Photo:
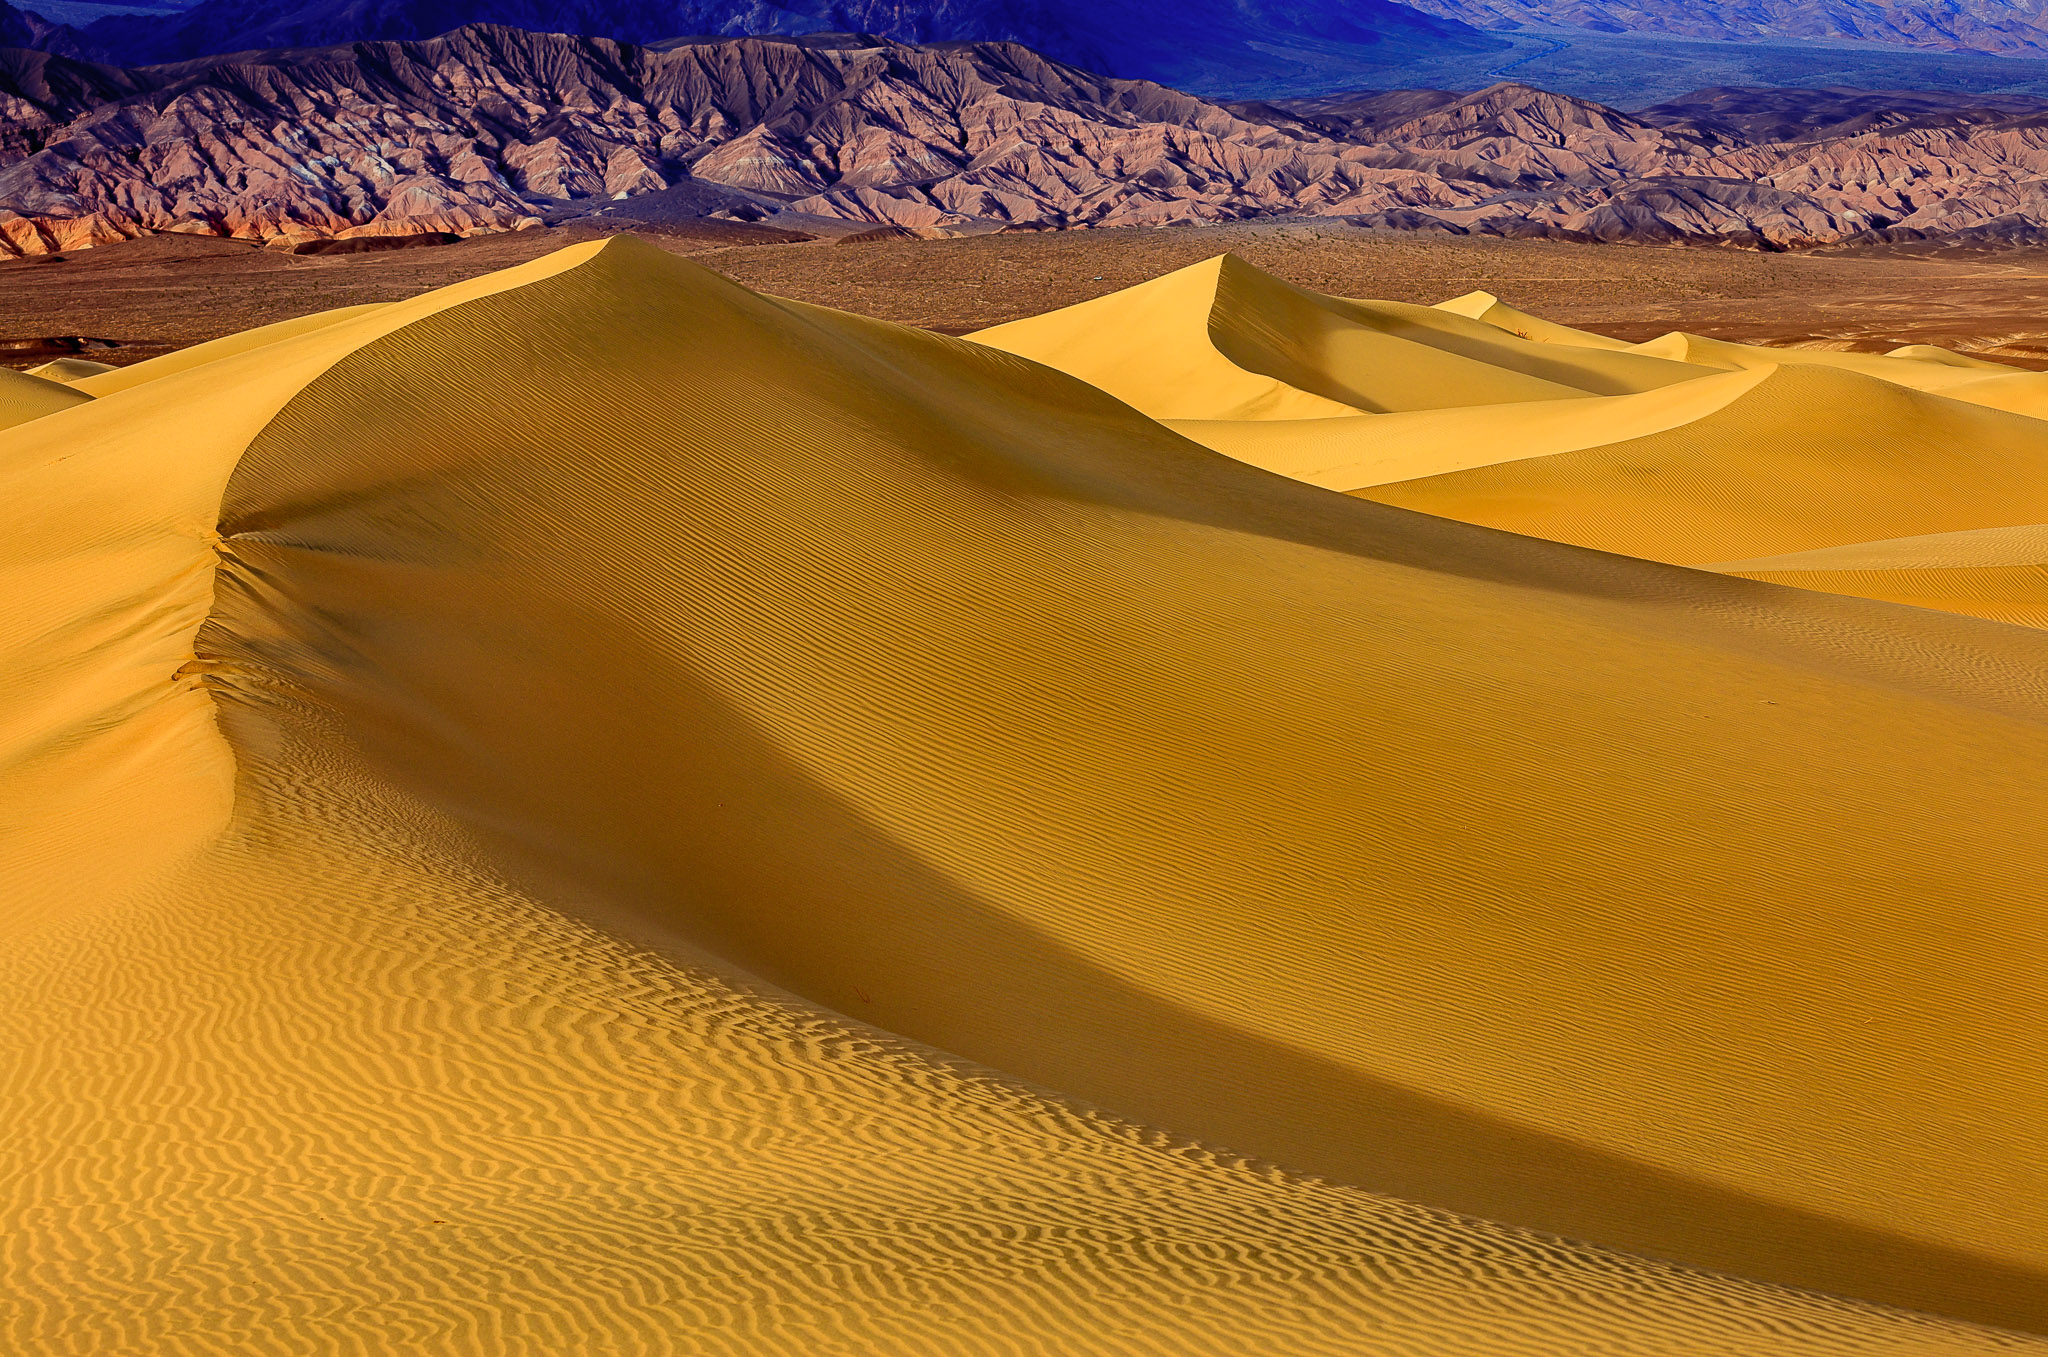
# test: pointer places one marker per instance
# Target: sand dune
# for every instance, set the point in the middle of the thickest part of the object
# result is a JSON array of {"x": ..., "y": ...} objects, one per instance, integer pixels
[
  {"x": 1222, "y": 340},
  {"x": 25, "y": 396},
  {"x": 1809, "y": 457},
  {"x": 69, "y": 369},
  {"x": 1495, "y": 312},
  {"x": 595, "y": 811},
  {"x": 1903, "y": 370},
  {"x": 1999, "y": 573},
  {"x": 1361, "y": 451},
  {"x": 1743, "y": 453}
]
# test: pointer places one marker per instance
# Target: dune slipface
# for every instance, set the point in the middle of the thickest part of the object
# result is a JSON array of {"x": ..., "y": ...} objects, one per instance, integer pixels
[{"x": 593, "y": 811}]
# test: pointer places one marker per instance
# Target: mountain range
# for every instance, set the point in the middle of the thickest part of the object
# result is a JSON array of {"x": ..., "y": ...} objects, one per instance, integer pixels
[
  {"x": 1201, "y": 44},
  {"x": 2006, "y": 27},
  {"x": 490, "y": 129},
  {"x": 1298, "y": 43}
]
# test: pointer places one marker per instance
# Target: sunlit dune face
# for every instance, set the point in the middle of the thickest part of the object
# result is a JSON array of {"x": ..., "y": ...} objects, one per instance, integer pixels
[{"x": 595, "y": 811}]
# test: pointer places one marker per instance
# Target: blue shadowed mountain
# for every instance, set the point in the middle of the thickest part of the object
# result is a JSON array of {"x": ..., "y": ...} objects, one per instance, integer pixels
[
  {"x": 1998, "y": 27},
  {"x": 1204, "y": 44}
]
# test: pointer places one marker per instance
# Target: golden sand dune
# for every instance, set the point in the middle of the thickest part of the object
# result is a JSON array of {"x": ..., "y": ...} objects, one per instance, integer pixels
[
  {"x": 69, "y": 369},
  {"x": 593, "y": 811},
  {"x": 1999, "y": 573},
  {"x": 1809, "y": 457},
  {"x": 24, "y": 396},
  {"x": 1917, "y": 373},
  {"x": 2023, "y": 393},
  {"x": 1743, "y": 452},
  {"x": 121, "y": 379},
  {"x": 1221, "y": 340},
  {"x": 1495, "y": 312},
  {"x": 1359, "y": 451}
]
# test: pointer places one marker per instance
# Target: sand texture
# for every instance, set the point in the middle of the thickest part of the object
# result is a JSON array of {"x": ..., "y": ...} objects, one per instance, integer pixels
[{"x": 594, "y": 811}]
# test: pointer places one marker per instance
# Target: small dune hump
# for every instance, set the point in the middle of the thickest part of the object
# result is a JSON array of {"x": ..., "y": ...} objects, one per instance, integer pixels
[
  {"x": 69, "y": 369},
  {"x": 25, "y": 396},
  {"x": 595, "y": 811}
]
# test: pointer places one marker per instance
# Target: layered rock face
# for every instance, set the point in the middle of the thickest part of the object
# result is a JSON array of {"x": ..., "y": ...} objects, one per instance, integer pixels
[
  {"x": 489, "y": 129},
  {"x": 2009, "y": 27}
]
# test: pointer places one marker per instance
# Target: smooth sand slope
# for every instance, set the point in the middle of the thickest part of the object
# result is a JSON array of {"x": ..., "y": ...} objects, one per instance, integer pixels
[
  {"x": 1358, "y": 451},
  {"x": 24, "y": 396},
  {"x": 1222, "y": 340},
  {"x": 1750, "y": 454},
  {"x": 593, "y": 811},
  {"x": 1999, "y": 573},
  {"x": 1809, "y": 457},
  {"x": 69, "y": 369}
]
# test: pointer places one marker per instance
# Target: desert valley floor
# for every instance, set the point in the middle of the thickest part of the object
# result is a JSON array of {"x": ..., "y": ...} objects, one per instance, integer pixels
[
  {"x": 162, "y": 292},
  {"x": 1288, "y": 792}
]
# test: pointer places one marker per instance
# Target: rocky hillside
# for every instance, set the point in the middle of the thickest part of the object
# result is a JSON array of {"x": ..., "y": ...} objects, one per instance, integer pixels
[
  {"x": 490, "y": 129},
  {"x": 2006, "y": 27}
]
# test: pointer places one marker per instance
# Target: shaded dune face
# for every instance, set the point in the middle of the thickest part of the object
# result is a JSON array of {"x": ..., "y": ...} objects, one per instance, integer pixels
[{"x": 759, "y": 830}]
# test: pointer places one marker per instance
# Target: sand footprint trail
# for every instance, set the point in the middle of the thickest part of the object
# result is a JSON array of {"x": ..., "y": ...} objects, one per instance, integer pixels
[{"x": 578, "y": 747}]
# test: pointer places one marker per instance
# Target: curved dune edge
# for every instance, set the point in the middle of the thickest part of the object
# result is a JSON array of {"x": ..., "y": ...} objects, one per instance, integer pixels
[
  {"x": 1898, "y": 367},
  {"x": 1486, "y": 307},
  {"x": 69, "y": 369},
  {"x": 2022, "y": 393},
  {"x": 103, "y": 597},
  {"x": 25, "y": 396},
  {"x": 229, "y": 346},
  {"x": 504, "y": 626},
  {"x": 1184, "y": 376},
  {"x": 1221, "y": 340},
  {"x": 1995, "y": 573},
  {"x": 1772, "y": 472},
  {"x": 1361, "y": 451}
]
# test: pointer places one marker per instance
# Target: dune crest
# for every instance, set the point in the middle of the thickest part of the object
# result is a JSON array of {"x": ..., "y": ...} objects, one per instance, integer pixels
[{"x": 703, "y": 824}]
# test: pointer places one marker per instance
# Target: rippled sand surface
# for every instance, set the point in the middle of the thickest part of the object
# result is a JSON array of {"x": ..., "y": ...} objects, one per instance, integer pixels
[{"x": 593, "y": 811}]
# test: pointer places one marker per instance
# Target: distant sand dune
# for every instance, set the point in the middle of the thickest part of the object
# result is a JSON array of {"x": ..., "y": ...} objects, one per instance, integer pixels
[
  {"x": 69, "y": 369},
  {"x": 1999, "y": 573},
  {"x": 1721, "y": 451},
  {"x": 594, "y": 811},
  {"x": 1361, "y": 451},
  {"x": 1221, "y": 340},
  {"x": 1810, "y": 457},
  {"x": 24, "y": 396}
]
